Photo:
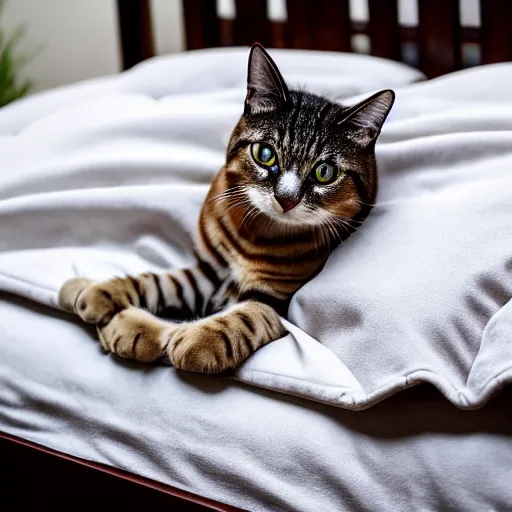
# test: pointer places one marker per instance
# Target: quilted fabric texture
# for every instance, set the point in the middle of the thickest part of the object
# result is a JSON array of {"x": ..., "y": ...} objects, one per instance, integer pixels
[{"x": 108, "y": 177}]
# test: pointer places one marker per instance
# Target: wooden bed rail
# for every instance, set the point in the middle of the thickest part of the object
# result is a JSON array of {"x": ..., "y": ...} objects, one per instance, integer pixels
[{"x": 438, "y": 45}]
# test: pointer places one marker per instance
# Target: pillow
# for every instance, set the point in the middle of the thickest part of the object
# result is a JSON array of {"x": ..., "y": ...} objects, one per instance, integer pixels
[
  {"x": 421, "y": 292},
  {"x": 221, "y": 71}
]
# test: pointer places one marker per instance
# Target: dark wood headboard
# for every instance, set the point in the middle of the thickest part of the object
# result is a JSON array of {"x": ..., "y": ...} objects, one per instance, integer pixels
[{"x": 438, "y": 45}]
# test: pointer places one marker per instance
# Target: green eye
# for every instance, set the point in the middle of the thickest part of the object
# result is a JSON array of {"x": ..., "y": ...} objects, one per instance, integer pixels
[
  {"x": 263, "y": 154},
  {"x": 324, "y": 173}
]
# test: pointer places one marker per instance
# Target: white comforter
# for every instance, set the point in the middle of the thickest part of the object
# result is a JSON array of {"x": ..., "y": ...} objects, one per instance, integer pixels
[{"x": 108, "y": 177}]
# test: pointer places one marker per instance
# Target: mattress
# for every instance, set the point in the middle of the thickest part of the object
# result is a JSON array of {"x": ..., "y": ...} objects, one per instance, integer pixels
[{"x": 108, "y": 177}]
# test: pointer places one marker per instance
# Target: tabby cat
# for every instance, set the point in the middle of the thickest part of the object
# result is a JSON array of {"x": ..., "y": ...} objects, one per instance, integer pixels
[{"x": 300, "y": 175}]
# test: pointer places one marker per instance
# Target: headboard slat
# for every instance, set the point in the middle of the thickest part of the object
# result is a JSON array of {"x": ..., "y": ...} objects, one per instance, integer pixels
[
  {"x": 439, "y": 36},
  {"x": 251, "y": 23},
  {"x": 135, "y": 31},
  {"x": 331, "y": 25},
  {"x": 326, "y": 25},
  {"x": 496, "y": 35},
  {"x": 383, "y": 29},
  {"x": 278, "y": 34},
  {"x": 299, "y": 23},
  {"x": 319, "y": 24},
  {"x": 201, "y": 24}
]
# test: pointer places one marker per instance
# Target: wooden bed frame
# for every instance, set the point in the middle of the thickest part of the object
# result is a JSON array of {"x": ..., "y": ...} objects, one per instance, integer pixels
[
  {"x": 36, "y": 478},
  {"x": 436, "y": 46}
]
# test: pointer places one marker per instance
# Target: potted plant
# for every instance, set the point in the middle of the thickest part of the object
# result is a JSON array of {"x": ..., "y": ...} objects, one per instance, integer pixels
[{"x": 12, "y": 87}]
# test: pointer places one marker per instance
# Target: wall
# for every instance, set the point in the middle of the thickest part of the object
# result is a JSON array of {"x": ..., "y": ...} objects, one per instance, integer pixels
[
  {"x": 76, "y": 39},
  {"x": 167, "y": 26}
]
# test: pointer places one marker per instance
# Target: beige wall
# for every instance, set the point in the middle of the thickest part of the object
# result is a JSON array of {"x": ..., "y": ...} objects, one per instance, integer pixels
[
  {"x": 167, "y": 26},
  {"x": 77, "y": 39}
]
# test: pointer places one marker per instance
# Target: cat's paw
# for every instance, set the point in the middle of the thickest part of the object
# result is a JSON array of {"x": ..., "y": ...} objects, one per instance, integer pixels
[
  {"x": 94, "y": 303},
  {"x": 223, "y": 342},
  {"x": 69, "y": 292},
  {"x": 203, "y": 348},
  {"x": 135, "y": 334}
]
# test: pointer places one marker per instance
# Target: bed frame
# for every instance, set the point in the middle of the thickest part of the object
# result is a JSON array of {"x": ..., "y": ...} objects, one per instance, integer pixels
[
  {"x": 36, "y": 478},
  {"x": 438, "y": 45}
]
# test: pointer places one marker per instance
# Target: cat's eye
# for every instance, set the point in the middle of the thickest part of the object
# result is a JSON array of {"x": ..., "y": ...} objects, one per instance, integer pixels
[
  {"x": 263, "y": 154},
  {"x": 324, "y": 173}
]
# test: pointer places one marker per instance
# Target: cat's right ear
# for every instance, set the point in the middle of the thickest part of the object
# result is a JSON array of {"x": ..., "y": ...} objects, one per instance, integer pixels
[{"x": 266, "y": 89}]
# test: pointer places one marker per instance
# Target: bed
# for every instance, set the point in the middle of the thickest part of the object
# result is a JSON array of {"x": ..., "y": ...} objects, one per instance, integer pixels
[{"x": 85, "y": 185}]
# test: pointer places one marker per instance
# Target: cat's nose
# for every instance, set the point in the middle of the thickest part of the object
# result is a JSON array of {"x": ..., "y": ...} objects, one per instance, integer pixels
[
  {"x": 287, "y": 203},
  {"x": 287, "y": 190}
]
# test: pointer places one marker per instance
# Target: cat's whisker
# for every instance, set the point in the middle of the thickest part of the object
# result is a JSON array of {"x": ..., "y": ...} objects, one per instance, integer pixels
[
  {"x": 372, "y": 205},
  {"x": 231, "y": 192},
  {"x": 269, "y": 222},
  {"x": 332, "y": 230},
  {"x": 222, "y": 195},
  {"x": 235, "y": 193},
  {"x": 334, "y": 223},
  {"x": 337, "y": 223},
  {"x": 251, "y": 217},
  {"x": 228, "y": 197},
  {"x": 235, "y": 202},
  {"x": 378, "y": 204},
  {"x": 248, "y": 214},
  {"x": 328, "y": 230},
  {"x": 242, "y": 204}
]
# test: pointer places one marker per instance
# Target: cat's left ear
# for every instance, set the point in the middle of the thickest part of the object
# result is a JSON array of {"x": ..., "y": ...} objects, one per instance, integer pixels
[
  {"x": 364, "y": 121},
  {"x": 266, "y": 89}
]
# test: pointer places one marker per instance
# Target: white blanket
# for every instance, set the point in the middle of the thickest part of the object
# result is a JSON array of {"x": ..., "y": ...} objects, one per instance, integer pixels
[
  {"x": 259, "y": 450},
  {"x": 108, "y": 178}
]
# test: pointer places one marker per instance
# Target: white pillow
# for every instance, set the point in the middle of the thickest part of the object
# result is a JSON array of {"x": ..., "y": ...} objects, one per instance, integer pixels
[{"x": 421, "y": 292}]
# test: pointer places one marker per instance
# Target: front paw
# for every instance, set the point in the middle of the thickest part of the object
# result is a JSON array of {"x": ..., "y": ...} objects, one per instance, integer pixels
[
  {"x": 135, "y": 334},
  {"x": 223, "y": 342},
  {"x": 201, "y": 348},
  {"x": 94, "y": 303},
  {"x": 70, "y": 291}
]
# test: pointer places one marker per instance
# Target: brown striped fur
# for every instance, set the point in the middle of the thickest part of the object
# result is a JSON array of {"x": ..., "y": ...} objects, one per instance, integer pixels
[{"x": 264, "y": 231}]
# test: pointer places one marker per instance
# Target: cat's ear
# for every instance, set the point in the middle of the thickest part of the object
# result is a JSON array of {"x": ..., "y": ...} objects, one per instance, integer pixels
[
  {"x": 364, "y": 120},
  {"x": 266, "y": 89}
]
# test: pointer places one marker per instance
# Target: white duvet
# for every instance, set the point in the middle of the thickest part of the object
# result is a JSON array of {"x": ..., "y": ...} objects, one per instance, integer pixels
[{"x": 108, "y": 178}]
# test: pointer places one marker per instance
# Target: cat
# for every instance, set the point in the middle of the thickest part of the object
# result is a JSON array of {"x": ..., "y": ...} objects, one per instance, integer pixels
[{"x": 300, "y": 176}]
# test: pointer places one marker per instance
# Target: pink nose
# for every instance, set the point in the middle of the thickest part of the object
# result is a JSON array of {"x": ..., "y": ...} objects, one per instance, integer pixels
[{"x": 286, "y": 203}]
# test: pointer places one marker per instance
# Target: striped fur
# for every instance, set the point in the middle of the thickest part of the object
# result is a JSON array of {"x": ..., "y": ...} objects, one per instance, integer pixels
[{"x": 264, "y": 231}]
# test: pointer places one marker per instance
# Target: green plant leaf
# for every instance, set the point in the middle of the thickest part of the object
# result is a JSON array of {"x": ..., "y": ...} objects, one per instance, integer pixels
[{"x": 11, "y": 88}]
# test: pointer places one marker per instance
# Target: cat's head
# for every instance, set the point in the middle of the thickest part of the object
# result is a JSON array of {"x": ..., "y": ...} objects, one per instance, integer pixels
[{"x": 300, "y": 159}]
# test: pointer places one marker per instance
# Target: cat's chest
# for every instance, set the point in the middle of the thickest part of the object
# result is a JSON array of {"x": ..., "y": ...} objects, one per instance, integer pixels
[
  {"x": 249, "y": 279},
  {"x": 244, "y": 273},
  {"x": 281, "y": 278}
]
